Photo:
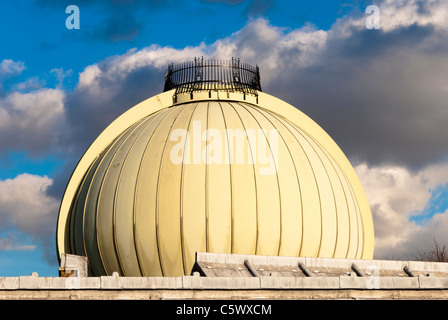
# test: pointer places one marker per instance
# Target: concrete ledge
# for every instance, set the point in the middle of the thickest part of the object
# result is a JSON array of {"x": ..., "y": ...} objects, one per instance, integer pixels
[
  {"x": 373, "y": 282},
  {"x": 225, "y": 294},
  {"x": 9, "y": 283},
  {"x": 227, "y": 283},
  {"x": 433, "y": 282},
  {"x": 245, "y": 288},
  {"x": 222, "y": 283},
  {"x": 299, "y": 283},
  {"x": 235, "y": 276},
  {"x": 403, "y": 283},
  {"x": 50, "y": 283},
  {"x": 236, "y": 272},
  {"x": 35, "y": 282},
  {"x": 151, "y": 282},
  {"x": 429, "y": 267},
  {"x": 110, "y": 282},
  {"x": 75, "y": 283}
]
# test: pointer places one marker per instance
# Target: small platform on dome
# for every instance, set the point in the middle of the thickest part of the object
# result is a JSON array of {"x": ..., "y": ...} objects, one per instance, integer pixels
[{"x": 213, "y": 74}]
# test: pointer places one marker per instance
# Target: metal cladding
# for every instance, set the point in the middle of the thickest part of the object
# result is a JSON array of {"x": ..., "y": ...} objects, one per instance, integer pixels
[{"x": 214, "y": 172}]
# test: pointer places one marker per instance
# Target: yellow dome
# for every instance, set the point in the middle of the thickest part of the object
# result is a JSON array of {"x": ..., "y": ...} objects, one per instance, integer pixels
[{"x": 213, "y": 172}]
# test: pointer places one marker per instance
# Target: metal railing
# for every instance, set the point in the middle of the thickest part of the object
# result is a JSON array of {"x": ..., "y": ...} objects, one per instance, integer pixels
[{"x": 200, "y": 74}]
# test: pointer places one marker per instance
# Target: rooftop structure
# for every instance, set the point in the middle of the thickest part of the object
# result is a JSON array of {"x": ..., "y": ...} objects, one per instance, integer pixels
[{"x": 213, "y": 164}]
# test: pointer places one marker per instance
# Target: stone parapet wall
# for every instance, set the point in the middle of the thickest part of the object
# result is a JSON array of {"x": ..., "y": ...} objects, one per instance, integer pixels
[
  {"x": 222, "y": 276},
  {"x": 35, "y": 282}
]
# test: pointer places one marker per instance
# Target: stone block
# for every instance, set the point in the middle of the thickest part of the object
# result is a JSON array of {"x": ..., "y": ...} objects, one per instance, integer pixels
[
  {"x": 191, "y": 282},
  {"x": 399, "y": 283},
  {"x": 111, "y": 282},
  {"x": 428, "y": 266},
  {"x": 355, "y": 282},
  {"x": 299, "y": 282},
  {"x": 35, "y": 282},
  {"x": 151, "y": 282},
  {"x": 376, "y": 282},
  {"x": 9, "y": 283},
  {"x": 433, "y": 282},
  {"x": 76, "y": 283}
]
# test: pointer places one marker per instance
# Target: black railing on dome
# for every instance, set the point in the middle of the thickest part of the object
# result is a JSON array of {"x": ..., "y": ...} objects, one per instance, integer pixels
[{"x": 200, "y": 74}]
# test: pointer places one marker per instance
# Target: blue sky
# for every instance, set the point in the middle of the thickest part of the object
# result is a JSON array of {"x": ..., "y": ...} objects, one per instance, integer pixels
[
  {"x": 39, "y": 37},
  {"x": 380, "y": 93}
]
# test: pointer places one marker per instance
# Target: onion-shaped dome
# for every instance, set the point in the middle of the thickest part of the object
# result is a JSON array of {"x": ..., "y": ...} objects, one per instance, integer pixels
[{"x": 213, "y": 172}]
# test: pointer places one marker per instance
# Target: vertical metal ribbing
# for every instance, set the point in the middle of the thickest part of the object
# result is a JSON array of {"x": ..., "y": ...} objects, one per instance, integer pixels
[
  {"x": 181, "y": 194},
  {"x": 276, "y": 174},
  {"x": 231, "y": 184},
  {"x": 124, "y": 174},
  {"x": 158, "y": 188},
  {"x": 207, "y": 213},
  {"x": 295, "y": 129},
  {"x": 165, "y": 114},
  {"x": 123, "y": 162},
  {"x": 289, "y": 152},
  {"x": 146, "y": 123},
  {"x": 96, "y": 193},
  {"x": 333, "y": 165},
  {"x": 327, "y": 175},
  {"x": 255, "y": 178}
]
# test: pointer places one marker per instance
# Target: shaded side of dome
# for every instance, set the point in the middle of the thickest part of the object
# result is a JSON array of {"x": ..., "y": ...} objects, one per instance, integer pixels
[{"x": 175, "y": 182}]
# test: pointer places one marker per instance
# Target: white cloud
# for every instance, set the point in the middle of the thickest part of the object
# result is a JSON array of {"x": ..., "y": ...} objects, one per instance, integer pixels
[
  {"x": 25, "y": 207},
  {"x": 10, "y": 242},
  {"x": 31, "y": 121},
  {"x": 33, "y": 83},
  {"x": 114, "y": 70},
  {"x": 60, "y": 76},
  {"x": 435, "y": 228},
  {"x": 403, "y": 13},
  {"x": 397, "y": 14},
  {"x": 276, "y": 49},
  {"x": 10, "y": 68},
  {"x": 395, "y": 194},
  {"x": 436, "y": 174}
]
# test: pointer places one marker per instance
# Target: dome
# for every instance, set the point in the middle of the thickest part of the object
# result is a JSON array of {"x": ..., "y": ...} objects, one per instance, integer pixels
[{"x": 211, "y": 171}]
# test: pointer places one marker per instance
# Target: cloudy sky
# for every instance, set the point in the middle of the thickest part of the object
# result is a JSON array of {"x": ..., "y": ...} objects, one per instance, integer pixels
[{"x": 381, "y": 93}]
